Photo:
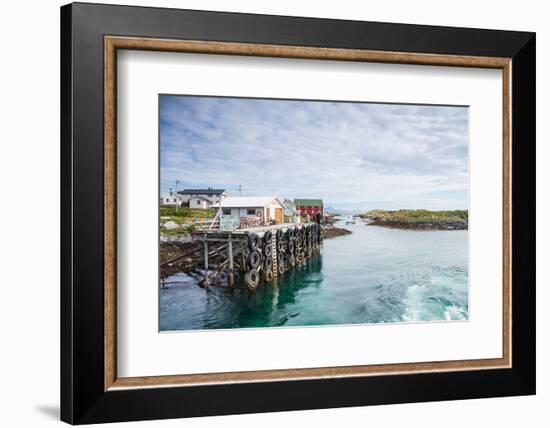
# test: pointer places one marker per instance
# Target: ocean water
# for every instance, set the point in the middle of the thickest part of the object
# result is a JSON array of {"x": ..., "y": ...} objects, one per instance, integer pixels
[{"x": 374, "y": 275}]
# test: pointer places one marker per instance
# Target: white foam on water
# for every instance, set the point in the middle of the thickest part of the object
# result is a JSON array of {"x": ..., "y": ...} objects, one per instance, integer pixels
[{"x": 441, "y": 298}]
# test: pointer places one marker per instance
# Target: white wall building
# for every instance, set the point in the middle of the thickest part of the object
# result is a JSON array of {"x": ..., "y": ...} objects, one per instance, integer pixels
[
  {"x": 171, "y": 198},
  {"x": 265, "y": 208},
  {"x": 199, "y": 202}
]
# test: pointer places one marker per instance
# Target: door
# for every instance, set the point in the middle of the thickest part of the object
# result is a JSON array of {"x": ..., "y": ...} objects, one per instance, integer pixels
[{"x": 278, "y": 215}]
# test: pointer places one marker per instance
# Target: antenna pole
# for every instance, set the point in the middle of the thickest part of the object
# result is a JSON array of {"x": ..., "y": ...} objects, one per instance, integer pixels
[{"x": 177, "y": 195}]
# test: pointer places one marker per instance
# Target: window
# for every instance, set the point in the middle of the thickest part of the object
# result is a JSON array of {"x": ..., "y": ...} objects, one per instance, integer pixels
[
  {"x": 250, "y": 211},
  {"x": 174, "y": 200},
  {"x": 198, "y": 202},
  {"x": 226, "y": 211}
]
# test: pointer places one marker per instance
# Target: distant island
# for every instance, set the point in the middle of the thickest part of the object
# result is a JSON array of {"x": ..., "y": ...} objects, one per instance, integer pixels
[{"x": 418, "y": 219}]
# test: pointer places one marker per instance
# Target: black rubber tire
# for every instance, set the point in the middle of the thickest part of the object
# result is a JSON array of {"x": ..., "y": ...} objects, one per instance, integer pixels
[
  {"x": 290, "y": 234},
  {"x": 268, "y": 264},
  {"x": 280, "y": 257},
  {"x": 268, "y": 250},
  {"x": 253, "y": 241},
  {"x": 254, "y": 259},
  {"x": 267, "y": 237},
  {"x": 279, "y": 245},
  {"x": 279, "y": 234},
  {"x": 251, "y": 279},
  {"x": 290, "y": 246},
  {"x": 292, "y": 261},
  {"x": 281, "y": 268},
  {"x": 268, "y": 275}
]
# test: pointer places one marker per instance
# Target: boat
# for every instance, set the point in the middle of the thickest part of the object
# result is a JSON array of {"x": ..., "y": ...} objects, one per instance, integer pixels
[{"x": 350, "y": 220}]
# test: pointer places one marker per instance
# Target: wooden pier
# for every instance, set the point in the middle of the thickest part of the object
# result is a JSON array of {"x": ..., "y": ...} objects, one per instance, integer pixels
[{"x": 258, "y": 254}]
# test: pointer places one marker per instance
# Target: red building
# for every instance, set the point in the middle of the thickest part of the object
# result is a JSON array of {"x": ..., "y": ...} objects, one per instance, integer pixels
[{"x": 309, "y": 207}]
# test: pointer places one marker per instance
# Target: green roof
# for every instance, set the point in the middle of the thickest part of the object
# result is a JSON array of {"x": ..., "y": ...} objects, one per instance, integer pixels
[{"x": 308, "y": 202}]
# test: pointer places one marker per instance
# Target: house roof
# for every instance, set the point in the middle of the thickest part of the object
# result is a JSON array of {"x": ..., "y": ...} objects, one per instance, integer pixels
[
  {"x": 208, "y": 191},
  {"x": 248, "y": 201},
  {"x": 308, "y": 202},
  {"x": 171, "y": 193}
]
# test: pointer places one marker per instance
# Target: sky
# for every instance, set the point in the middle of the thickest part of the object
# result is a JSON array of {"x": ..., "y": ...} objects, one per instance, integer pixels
[{"x": 354, "y": 156}]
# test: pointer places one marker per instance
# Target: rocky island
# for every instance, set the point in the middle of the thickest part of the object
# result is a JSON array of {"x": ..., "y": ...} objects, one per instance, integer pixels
[
  {"x": 333, "y": 232},
  {"x": 418, "y": 219}
]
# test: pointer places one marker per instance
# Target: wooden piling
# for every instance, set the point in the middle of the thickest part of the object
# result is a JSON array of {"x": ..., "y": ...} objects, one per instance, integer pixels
[
  {"x": 205, "y": 262},
  {"x": 230, "y": 254}
]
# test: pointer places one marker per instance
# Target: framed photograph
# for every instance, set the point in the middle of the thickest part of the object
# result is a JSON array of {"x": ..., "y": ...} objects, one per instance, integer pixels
[{"x": 266, "y": 213}]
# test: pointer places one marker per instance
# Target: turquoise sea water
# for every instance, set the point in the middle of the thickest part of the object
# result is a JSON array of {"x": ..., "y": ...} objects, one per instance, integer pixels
[{"x": 374, "y": 275}]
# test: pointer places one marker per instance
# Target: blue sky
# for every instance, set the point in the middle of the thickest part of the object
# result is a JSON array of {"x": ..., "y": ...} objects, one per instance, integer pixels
[{"x": 355, "y": 156}]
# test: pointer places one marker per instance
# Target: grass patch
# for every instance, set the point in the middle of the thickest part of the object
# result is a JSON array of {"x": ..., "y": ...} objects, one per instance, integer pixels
[
  {"x": 418, "y": 216},
  {"x": 184, "y": 213},
  {"x": 180, "y": 231}
]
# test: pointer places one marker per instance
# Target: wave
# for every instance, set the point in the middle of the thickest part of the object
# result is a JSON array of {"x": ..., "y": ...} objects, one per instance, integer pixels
[{"x": 443, "y": 297}]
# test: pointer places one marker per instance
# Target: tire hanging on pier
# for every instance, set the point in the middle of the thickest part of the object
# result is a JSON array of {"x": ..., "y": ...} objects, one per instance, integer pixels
[
  {"x": 268, "y": 250},
  {"x": 267, "y": 237},
  {"x": 253, "y": 241},
  {"x": 290, "y": 246},
  {"x": 281, "y": 268},
  {"x": 251, "y": 279},
  {"x": 254, "y": 259},
  {"x": 279, "y": 234},
  {"x": 292, "y": 261},
  {"x": 290, "y": 233},
  {"x": 268, "y": 275},
  {"x": 268, "y": 264}
]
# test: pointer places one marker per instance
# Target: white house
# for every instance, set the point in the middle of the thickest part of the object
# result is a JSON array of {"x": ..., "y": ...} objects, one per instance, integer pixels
[
  {"x": 265, "y": 208},
  {"x": 171, "y": 198},
  {"x": 212, "y": 195},
  {"x": 199, "y": 202}
]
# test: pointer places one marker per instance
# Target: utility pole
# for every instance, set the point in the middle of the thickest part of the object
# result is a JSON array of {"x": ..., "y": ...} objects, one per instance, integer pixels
[
  {"x": 240, "y": 190},
  {"x": 177, "y": 195}
]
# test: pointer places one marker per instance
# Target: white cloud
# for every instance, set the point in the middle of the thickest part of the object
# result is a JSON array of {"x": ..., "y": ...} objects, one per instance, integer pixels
[{"x": 346, "y": 153}]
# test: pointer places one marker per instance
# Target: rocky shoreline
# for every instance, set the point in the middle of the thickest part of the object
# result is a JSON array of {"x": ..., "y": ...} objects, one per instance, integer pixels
[
  {"x": 333, "y": 232},
  {"x": 175, "y": 248},
  {"x": 418, "y": 219}
]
